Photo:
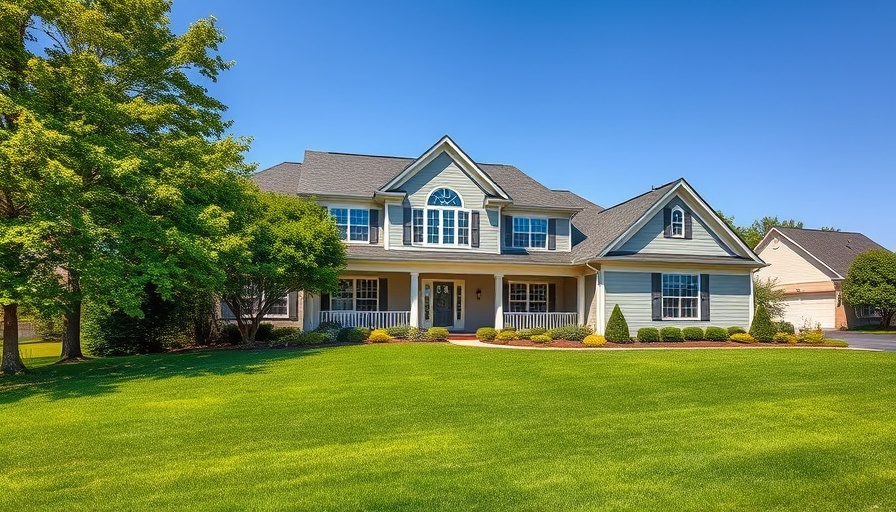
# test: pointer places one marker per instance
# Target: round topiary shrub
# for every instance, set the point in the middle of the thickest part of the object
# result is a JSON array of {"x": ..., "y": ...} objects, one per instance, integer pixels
[
  {"x": 525, "y": 334},
  {"x": 569, "y": 332},
  {"x": 399, "y": 331},
  {"x": 736, "y": 330},
  {"x": 540, "y": 338},
  {"x": 594, "y": 340},
  {"x": 437, "y": 334},
  {"x": 762, "y": 328},
  {"x": 671, "y": 334},
  {"x": 617, "y": 327},
  {"x": 416, "y": 334},
  {"x": 742, "y": 337},
  {"x": 648, "y": 334},
  {"x": 692, "y": 334},
  {"x": 786, "y": 327},
  {"x": 312, "y": 338},
  {"x": 379, "y": 336},
  {"x": 507, "y": 335},
  {"x": 353, "y": 335},
  {"x": 486, "y": 334},
  {"x": 716, "y": 334}
]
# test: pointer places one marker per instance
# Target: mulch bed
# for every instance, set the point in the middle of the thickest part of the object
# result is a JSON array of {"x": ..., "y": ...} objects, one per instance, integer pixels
[{"x": 678, "y": 344}]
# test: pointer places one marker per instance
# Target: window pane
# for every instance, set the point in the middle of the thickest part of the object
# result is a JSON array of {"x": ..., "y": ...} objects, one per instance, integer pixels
[
  {"x": 463, "y": 228},
  {"x": 280, "y": 308},
  {"x": 677, "y": 223},
  {"x": 444, "y": 197},
  {"x": 518, "y": 291},
  {"x": 418, "y": 226},
  {"x": 432, "y": 226},
  {"x": 343, "y": 298},
  {"x": 447, "y": 227},
  {"x": 359, "y": 229},
  {"x": 366, "y": 294},
  {"x": 680, "y": 292},
  {"x": 341, "y": 217}
]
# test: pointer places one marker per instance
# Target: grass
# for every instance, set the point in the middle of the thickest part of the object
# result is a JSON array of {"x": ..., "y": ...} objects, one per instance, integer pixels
[
  {"x": 441, "y": 427},
  {"x": 37, "y": 353}
]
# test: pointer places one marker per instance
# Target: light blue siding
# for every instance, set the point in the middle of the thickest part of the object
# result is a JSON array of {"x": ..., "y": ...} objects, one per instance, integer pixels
[
  {"x": 729, "y": 300},
  {"x": 650, "y": 239}
]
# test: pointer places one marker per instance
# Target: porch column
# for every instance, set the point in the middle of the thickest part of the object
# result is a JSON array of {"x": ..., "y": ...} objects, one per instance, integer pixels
[
  {"x": 580, "y": 299},
  {"x": 499, "y": 301},
  {"x": 415, "y": 306}
]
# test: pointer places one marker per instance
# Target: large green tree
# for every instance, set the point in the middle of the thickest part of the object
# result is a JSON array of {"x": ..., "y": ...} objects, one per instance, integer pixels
[
  {"x": 871, "y": 282},
  {"x": 142, "y": 181},
  {"x": 767, "y": 295},
  {"x": 755, "y": 232},
  {"x": 293, "y": 245}
]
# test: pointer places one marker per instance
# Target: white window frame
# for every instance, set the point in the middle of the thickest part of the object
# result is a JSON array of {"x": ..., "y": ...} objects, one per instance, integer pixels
[
  {"x": 680, "y": 223},
  {"x": 349, "y": 225},
  {"x": 440, "y": 227},
  {"x": 529, "y": 232},
  {"x": 697, "y": 308},
  {"x": 256, "y": 305},
  {"x": 528, "y": 300},
  {"x": 354, "y": 289},
  {"x": 867, "y": 312}
]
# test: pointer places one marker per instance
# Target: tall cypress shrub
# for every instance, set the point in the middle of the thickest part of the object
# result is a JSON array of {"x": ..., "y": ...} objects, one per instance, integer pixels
[
  {"x": 762, "y": 327},
  {"x": 617, "y": 327}
]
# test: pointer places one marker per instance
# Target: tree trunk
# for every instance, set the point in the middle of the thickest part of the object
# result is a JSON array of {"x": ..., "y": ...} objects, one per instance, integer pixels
[
  {"x": 71, "y": 332},
  {"x": 886, "y": 317},
  {"x": 12, "y": 360}
]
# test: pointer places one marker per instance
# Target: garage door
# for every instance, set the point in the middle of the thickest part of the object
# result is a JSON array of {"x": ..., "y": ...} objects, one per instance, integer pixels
[{"x": 810, "y": 308}]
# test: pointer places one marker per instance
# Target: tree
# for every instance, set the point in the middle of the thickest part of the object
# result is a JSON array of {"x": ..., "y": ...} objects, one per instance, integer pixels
[
  {"x": 617, "y": 327},
  {"x": 755, "y": 232},
  {"x": 871, "y": 282},
  {"x": 293, "y": 245},
  {"x": 141, "y": 184},
  {"x": 762, "y": 327},
  {"x": 765, "y": 295}
]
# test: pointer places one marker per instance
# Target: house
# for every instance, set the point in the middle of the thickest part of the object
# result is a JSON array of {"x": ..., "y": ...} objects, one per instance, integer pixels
[
  {"x": 443, "y": 240},
  {"x": 809, "y": 265}
]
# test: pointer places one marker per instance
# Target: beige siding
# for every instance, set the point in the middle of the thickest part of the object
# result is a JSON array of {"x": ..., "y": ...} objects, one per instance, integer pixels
[
  {"x": 789, "y": 265},
  {"x": 650, "y": 239}
]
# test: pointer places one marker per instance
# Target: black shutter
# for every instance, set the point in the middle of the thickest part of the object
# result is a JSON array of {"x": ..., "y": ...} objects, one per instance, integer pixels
[
  {"x": 552, "y": 234},
  {"x": 508, "y": 230},
  {"x": 552, "y": 297},
  {"x": 383, "y": 294},
  {"x": 667, "y": 222},
  {"x": 704, "y": 297},
  {"x": 374, "y": 218},
  {"x": 293, "y": 303},
  {"x": 688, "y": 226},
  {"x": 505, "y": 301},
  {"x": 474, "y": 229},
  {"x": 656, "y": 296},
  {"x": 325, "y": 302},
  {"x": 406, "y": 236}
]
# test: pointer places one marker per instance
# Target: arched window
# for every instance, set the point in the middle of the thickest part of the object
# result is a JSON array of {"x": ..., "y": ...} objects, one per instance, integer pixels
[
  {"x": 444, "y": 197},
  {"x": 677, "y": 222}
]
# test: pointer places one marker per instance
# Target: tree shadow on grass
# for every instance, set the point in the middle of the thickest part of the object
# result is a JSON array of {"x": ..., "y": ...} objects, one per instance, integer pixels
[{"x": 105, "y": 375}]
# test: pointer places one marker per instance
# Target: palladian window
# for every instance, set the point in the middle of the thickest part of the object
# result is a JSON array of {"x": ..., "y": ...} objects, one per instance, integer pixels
[{"x": 447, "y": 223}]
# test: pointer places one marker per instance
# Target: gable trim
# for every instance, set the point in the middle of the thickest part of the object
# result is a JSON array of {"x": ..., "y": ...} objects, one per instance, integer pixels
[{"x": 762, "y": 243}]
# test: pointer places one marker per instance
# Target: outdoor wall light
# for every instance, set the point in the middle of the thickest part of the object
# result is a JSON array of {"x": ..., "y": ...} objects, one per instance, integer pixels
[{"x": 478, "y": 294}]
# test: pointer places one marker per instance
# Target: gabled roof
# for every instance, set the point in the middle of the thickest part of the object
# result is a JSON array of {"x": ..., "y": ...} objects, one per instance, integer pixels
[
  {"x": 281, "y": 178},
  {"x": 834, "y": 249}
]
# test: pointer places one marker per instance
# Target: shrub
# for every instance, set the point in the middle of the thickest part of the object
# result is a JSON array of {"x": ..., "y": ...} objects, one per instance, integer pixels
[
  {"x": 786, "y": 327},
  {"x": 486, "y": 334},
  {"x": 437, "y": 334},
  {"x": 570, "y": 332},
  {"x": 528, "y": 333},
  {"x": 264, "y": 332},
  {"x": 507, "y": 335},
  {"x": 290, "y": 339},
  {"x": 648, "y": 334},
  {"x": 537, "y": 330},
  {"x": 541, "y": 338},
  {"x": 353, "y": 334},
  {"x": 780, "y": 337},
  {"x": 330, "y": 331},
  {"x": 329, "y": 325},
  {"x": 617, "y": 327},
  {"x": 279, "y": 333},
  {"x": 815, "y": 336},
  {"x": 736, "y": 330},
  {"x": 399, "y": 331},
  {"x": 379, "y": 336},
  {"x": 742, "y": 337},
  {"x": 716, "y": 334},
  {"x": 230, "y": 333},
  {"x": 671, "y": 334},
  {"x": 594, "y": 340},
  {"x": 693, "y": 334},
  {"x": 525, "y": 334},
  {"x": 311, "y": 338},
  {"x": 417, "y": 334},
  {"x": 762, "y": 328}
]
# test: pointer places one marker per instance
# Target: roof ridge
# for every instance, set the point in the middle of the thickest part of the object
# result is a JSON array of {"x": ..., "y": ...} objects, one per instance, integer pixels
[
  {"x": 362, "y": 154},
  {"x": 638, "y": 196},
  {"x": 825, "y": 231}
]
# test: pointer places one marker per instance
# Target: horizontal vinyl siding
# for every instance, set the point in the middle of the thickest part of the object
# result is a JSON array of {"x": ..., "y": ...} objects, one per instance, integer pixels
[
  {"x": 562, "y": 235},
  {"x": 788, "y": 266},
  {"x": 650, "y": 239},
  {"x": 729, "y": 300},
  {"x": 396, "y": 226}
]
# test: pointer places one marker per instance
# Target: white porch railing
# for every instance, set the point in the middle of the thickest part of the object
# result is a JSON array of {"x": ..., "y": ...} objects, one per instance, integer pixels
[
  {"x": 545, "y": 320},
  {"x": 370, "y": 319}
]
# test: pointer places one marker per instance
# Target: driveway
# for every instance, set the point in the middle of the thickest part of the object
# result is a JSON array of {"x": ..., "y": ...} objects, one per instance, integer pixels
[{"x": 858, "y": 339}]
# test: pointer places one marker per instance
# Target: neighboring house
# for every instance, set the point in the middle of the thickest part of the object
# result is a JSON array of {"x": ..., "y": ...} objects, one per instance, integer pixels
[
  {"x": 441, "y": 240},
  {"x": 810, "y": 266}
]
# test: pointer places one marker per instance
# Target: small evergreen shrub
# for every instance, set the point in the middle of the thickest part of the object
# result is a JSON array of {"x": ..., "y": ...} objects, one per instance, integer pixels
[
  {"x": 671, "y": 334},
  {"x": 716, "y": 334},
  {"x": 353, "y": 334},
  {"x": 278, "y": 333},
  {"x": 783, "y": 337},
  {"x": 540, "y": 338},
  {"x": 786, "y": 327},
  {"x": 693, "y": 334},
  {"x": 538, "y": 330},
  {"x": 569, "y": 332},
  {"x": 525, "y": 334},
  {"x": 815, "y": 336},
  {"x": 742, "y": 337},
  {"x": 311, "y": 338},
  {"x": 264, "y": 332},
  {"x": 379, "y": 336},
  {"x": 486, "y": 334},
  {"x": 594, "y": 340},
  {"x": 507, "y": 335},
  {"x": 617, "y": 327},
  {"x": 736, "y": 330},
  {"x": 230, "y": 333},
  {"x": 416, "y": 334},
  {"x": 330, "y": 331},
  {"x": 649, "y": 334},
  {"x": 399, "y": 331},
  {"x": 762, "y": 328},
  {"x": 437, "y": 334}
]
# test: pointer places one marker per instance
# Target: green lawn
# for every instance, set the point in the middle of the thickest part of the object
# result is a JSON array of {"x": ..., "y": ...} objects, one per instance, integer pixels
[
  {"x": 435, "y": 426},
  {"x": 37, "y": 353}
]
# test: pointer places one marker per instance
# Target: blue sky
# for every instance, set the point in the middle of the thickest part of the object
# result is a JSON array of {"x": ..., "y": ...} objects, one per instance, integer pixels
[{"x": 766, "y": 108}]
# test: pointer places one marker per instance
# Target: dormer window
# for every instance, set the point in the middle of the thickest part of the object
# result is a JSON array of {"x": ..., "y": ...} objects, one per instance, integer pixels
[
  {"x": 677, "y": 222},
  {"x": 447, "y": 222}
]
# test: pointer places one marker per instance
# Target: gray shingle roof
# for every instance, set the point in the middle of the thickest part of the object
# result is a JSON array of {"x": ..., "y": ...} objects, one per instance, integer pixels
[
  {"x": 282, "y": 178},
  {"x": 835, "y": 249}
]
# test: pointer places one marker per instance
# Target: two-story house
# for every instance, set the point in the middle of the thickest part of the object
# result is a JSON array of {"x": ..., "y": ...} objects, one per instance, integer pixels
[{"x": 441, "y": 240}]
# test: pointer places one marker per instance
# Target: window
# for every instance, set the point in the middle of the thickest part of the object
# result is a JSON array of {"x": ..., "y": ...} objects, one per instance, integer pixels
[
  {"x": 353, "y": 223},
  {"x": 432, "y": 226},
  {"x": 681, "y": 296},
  {"x": 447, "y": 227},
  {"x": 463, "y": 228},
  {"x": 356, "y": 295},
  {"x": 446, "y": 222},
  {"x": 280, "y": 308},
  {"x": 528, "y": 298},
  {"x": 867, "y": 312},
  {"x": 418, "y": 226},
  {"x": 677, "y": 222},
  {"x": 530, "y": 232},
  {"x": 444, "y": 197}
]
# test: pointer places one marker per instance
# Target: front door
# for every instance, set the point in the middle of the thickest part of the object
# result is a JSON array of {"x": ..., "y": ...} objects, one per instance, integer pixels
[{"x": 442, "y": 304}]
